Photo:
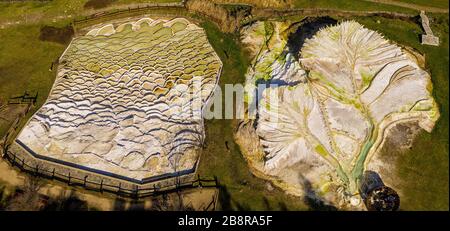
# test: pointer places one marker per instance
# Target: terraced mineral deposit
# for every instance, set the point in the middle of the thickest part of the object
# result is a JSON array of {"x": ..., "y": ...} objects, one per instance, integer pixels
[
  {"x": 128, "y": 99},
  {"x": 333, "y": 106}
]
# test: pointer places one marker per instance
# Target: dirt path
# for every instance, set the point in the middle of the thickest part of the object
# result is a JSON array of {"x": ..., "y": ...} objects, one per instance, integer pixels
[{"x": 411, "y": 6}]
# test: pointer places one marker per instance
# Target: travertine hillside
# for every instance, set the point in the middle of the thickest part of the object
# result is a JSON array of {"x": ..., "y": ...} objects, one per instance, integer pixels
[
  {"x": 332, "y": 108},
  {"x": 128, "y": 99}
]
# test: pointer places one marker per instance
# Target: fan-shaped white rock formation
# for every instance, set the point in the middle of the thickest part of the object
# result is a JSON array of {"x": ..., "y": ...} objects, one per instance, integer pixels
[
  {"x": 128, "y": 100},
  {"x": 351, "y": 85}
]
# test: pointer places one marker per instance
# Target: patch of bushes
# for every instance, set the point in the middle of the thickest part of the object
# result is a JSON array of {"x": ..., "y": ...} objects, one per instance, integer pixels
[
  {"x": 228, "y": 22},
  {"x": 97, "y": 4},
  {"x": 55, "y": 34}
]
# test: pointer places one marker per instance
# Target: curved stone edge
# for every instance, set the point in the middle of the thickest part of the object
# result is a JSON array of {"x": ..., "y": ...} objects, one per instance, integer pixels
[
  {"x": 110, "y": 29},
  {"x": 92, "y": 177}
]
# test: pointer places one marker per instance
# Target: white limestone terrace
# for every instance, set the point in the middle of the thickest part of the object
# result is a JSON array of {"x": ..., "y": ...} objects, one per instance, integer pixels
[
  {"x": 334, "y": 107},
  {"x": 127, "y": 101}
]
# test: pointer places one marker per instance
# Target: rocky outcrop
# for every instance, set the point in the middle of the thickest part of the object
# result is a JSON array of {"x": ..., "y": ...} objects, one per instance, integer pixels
[{"x": 327, "y": 113}]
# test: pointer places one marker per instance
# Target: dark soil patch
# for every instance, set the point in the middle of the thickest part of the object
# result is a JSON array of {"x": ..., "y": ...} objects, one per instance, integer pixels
[
  {"x": 55, "y": 34},
  {"x": 97, "y": 4}
]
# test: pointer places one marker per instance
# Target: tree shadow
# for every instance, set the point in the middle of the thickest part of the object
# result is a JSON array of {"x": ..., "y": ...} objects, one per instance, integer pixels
[
  {"x": 136, "y": 205},
  {"x": 267, "y": 204},
  {"x": 224, "y": 198},
  {"x": 70, "y": 202},
  {"x": 312, "y": 199},
  {"x": 119, "y": 204},
  {"x": 3, "y": 199},
  {"x": 226, "y": 202},
  {"x": 282, "y": 206},
  {"x": 172, "y": 201},
  {"x": 27, "y": 197}
]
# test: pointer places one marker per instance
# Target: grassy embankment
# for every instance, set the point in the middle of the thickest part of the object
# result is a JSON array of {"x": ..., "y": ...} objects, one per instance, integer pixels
[{"x": 358, "y": 5}]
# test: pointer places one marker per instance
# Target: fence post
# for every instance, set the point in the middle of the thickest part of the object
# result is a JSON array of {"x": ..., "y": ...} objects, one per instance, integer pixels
[
  {"x": 118, "y": 192},
  {"x": 214, "y": 202},
  {"x": 37, "y": 169},
  {"x": 216, "y": 181},
  {"x": 7, "y": 148},
  {"x": 69, "y": 179},
  {"x": 84, "y": 183},
  {"x": 199, "y": 181},
  {"x": 136, "y": 191},
  {"x": 3, "y": 144},
  {"x": 23, "y": 163},
  {"x": 101, "y": 186},
  {"x": 53, "y": 174}
]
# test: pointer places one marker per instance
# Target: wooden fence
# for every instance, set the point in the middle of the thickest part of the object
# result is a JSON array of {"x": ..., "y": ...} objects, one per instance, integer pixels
[
  {"x": 175, "y": 9},
  {"x": 266, "y": 13},
  {"x": 100, "y": 186},
  {"x": 25, "y": 162},
  {"x": 26, "y": 98},
  {"x": 12, "y": 131},
  {"x": 162, "y": 9}
]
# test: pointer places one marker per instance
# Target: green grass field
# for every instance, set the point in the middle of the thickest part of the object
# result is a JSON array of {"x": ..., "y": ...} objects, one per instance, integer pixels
[
  {"x": 57, "y": 10},
  {"x": 359, "y": 5},
  {"x": 433, "y": 3}
]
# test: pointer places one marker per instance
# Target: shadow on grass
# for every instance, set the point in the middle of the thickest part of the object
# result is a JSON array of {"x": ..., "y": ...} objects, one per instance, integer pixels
[
  {"x": 227, "y": 203},
  {"x": 98, "y": 4},
  {"x": 61, "y": 35},
  {"x": 66, "y": 203},
  {"x": 3, "y": 201},
  {"x": 312, "y": 199}
]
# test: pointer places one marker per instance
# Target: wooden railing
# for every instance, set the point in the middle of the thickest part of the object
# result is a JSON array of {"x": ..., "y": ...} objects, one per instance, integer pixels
[{"x": 99, "y": 185}]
